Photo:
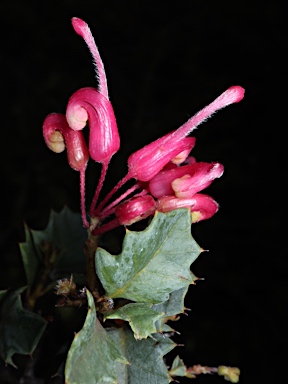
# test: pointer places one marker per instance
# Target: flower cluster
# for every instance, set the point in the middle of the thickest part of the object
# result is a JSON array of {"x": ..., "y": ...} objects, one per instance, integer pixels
[{"x": 166, "y": 176}]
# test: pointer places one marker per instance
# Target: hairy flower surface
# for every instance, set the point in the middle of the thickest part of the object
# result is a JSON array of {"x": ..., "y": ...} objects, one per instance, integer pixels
[{"x": 165, "y": 176}]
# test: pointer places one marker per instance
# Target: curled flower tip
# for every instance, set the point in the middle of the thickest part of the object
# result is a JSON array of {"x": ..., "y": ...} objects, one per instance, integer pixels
[
  {"x": 83, "y": 30},
  {"x": 135, "y": 209},
  {"x": 186, "y": 180},
  {"x": 145, "y": 163},
  {"x": 202, "y": 206},
  {"x": 88, "y": 104},
  {"x": 58, "y": 135},
  {"x": 182, "y": 156},
  {"x": 204, "y": 173}
]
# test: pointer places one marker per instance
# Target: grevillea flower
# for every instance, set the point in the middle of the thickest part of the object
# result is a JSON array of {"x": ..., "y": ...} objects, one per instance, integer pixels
[
  {"x": 202, "y": 206},
  {"x": 163, "y": 169},
  {"x": 89, "y": 104},
  {"x": 145, "y": 163},
  {"x": 58, "y": 135},
  {"x": 186, "y": 180},
  {"x": 135, "y": 209}
]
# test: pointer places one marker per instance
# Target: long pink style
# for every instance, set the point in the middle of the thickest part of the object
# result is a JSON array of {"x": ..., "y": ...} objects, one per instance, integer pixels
[{"x": 84, "y": 31}]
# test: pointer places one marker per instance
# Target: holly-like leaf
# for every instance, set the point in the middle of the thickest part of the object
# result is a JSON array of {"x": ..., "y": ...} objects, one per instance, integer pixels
[
  {"x": 175, "y": 303},
  {"x": 145, "y": 358},
  {"x": 31, "y": 256},
  {"x": 20, "y": 330},
  {"x": 65, "y": 235},
  {"x": 153, "y": 263},
  {"x": 172, "y": 307},
  {"x": 140, "y": 317},
  {"x": 92, "y": 354},
  {"x": 178, "y": 367}
]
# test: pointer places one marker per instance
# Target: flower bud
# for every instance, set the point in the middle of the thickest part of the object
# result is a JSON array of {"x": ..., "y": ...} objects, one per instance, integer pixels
[
  {"x": 202, "y": 206},
  {"x": 185, "y": 180},
  {"x": 135, "y": 209},
  {"x": 189, "y": 184},
  {"x": 145, "y": 163},
  {"x": 58, "y": 134},
  {"x": 88, "y": 104}
]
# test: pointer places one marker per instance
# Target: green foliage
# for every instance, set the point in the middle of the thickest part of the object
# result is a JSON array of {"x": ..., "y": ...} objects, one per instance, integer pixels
[
  {"x": 153, "y": 263},
  {"x": 140, "y": 317},
  {"x": 92, "y": 353},
  {"x": 145, "y": 358},
  {"x": 58, "y": 249},
  {"x": 153, "y": 267},
  {"x": 151, "y": 275},
  {"x": 31, "y": 256},
  {"x": 66, "y": 234},
  {"x": 178, "y": 367},
  {"x": 20, "y": 329}
]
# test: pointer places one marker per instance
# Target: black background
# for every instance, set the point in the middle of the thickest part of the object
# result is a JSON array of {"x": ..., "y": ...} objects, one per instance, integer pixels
[{"x": 165, "y": 61}]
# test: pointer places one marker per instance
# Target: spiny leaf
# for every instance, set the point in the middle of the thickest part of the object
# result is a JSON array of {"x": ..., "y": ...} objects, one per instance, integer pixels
[
  {"x": 145, "y": 358},
  {"x": 92, "y": 353},
  {"x": 31, "y": 256},
  {"x": 63, "y": 238},
  {"x": 140, "y": 317},
  {"x": 153, "y": 263},
  {"x": 178, "y": 367},
  {"x": 175, "y": 303},
  {"x": 20, "y": 330},
  {"x": 172, "y": 307}
]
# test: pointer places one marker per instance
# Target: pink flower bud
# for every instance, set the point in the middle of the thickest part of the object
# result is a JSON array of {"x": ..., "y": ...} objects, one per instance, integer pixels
[
  {"x": 202, "y": 206},
  {"x": 182, "y": 156},
  {"x": 145, "y": 163},
  {"x": 185, "y": 180},
  {"x": 189, "y": 184},
  {"x": 148, "y": 161},
  {"x": 135, "y": 209},
  {"x": 88, "y": 104},
  {"x": 58, "y": 134}
]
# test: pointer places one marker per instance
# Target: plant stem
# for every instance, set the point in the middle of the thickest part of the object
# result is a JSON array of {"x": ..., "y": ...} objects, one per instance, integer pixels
[
  {"x": 91, "y": 277},
  {"x": 41, "y": 285}
]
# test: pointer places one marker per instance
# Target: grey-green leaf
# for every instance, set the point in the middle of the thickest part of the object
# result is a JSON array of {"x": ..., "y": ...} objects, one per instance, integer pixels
[
  {"x": 92, "y": 354},
  {"x": 140, "y": 317},
  {"x": 31, "y": 257},
  {"x": 178, "y": 367},
  {"x": 66, "y": 234},
  {"x": 153, "y": 263},
  {"x": 20, "y": 330},
  {"x": 145, "y": 358}
]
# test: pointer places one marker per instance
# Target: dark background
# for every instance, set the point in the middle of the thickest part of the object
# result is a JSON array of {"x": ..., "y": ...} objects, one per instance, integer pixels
[{"x": 165, "y": 61}]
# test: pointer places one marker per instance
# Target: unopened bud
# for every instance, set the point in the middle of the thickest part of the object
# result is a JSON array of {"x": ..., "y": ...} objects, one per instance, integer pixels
[
  {"x": 135, "y": 209},
  {"x": 87, "y": 104},
  {"x": 202, "y": 206},
  {"x": 145, "y": 163},
  {"x": 204, "y": 173},
  {"x": 57, "y": 134}
]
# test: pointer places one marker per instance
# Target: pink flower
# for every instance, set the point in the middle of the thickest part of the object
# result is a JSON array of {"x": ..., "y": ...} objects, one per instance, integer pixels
[
  {"x": 89, "y": 104},
  {"x": 58, "y": 135},
  {"x": 186, "y": 180},
  {"x": 145, "y": 163},
  {"x": 135, "y": 209},
  {"x": 148, "y": 161},
  {"x": 202, "y": 206}
]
